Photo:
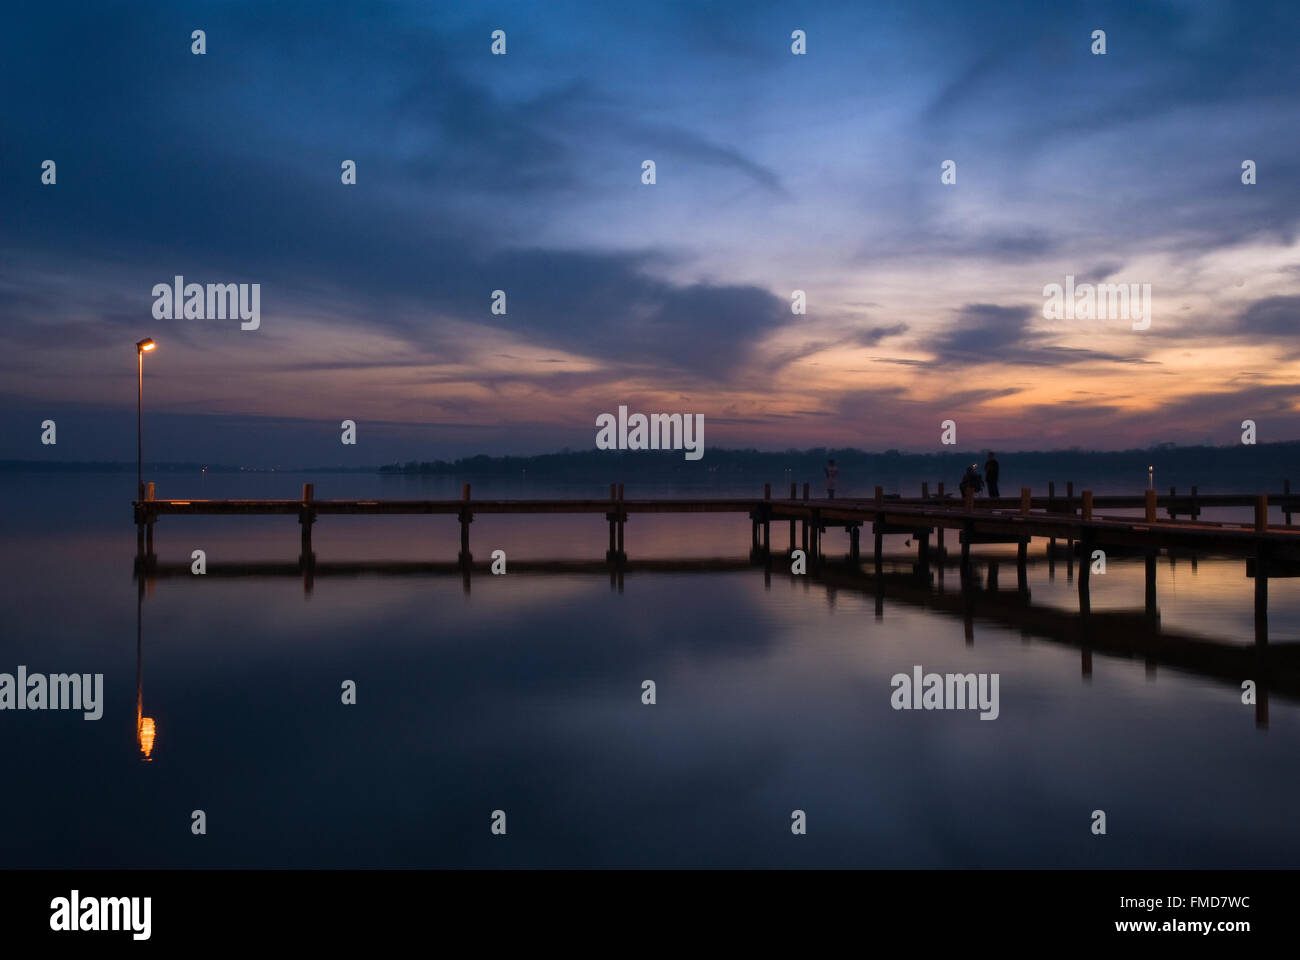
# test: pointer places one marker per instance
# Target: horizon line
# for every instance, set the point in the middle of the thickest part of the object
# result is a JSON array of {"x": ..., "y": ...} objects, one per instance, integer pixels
[{"x": 16, "y": 464}]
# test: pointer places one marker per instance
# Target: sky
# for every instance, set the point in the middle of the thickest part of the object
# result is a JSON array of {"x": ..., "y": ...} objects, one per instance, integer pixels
[{"x": 522, "y": 172}]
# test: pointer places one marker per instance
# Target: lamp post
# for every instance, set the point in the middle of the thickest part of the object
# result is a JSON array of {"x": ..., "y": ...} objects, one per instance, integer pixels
[{"x": 141, "y": 348}]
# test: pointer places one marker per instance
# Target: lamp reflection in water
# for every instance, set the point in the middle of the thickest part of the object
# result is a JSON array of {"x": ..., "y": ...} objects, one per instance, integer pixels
[{"x": 144, "y": 726}]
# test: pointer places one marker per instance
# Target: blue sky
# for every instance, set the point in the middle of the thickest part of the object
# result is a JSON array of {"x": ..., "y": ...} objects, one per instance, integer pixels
[{"x": 522, "y": 172}]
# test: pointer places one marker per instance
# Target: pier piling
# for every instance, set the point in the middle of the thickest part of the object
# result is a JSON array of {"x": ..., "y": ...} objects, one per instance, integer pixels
[
  {"x": 1152, "y": 614},
  {"x": 767, "y": 519},
  {"x": 148, "y": 532},
  {"x": 466, "y": 518},
  {"x": 793, "y": 489},
  {"x": 306, "y": 518}
]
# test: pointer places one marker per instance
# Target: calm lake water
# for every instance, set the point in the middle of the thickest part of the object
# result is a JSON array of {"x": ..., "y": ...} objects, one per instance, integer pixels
[{"x": 523, "y": 694}]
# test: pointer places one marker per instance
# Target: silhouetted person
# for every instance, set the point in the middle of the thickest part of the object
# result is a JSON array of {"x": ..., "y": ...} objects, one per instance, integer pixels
[
  {"x": 991, "y": 474},
  {"x": 970, "y": 480},
  {"x": 832, "y": 474}
]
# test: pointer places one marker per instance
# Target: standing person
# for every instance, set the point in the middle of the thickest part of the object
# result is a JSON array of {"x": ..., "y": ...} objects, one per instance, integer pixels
[
  {"x": 970, "y": 480},
  {"x": 832, "y": 474},
  {"x": 991, "y": 474}
]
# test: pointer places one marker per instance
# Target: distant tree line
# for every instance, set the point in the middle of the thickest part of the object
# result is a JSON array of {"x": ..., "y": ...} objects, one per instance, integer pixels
[{"x": 1267, "y": 463}]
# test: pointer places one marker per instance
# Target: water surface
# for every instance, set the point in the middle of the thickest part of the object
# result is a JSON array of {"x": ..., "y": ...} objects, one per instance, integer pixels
[{"x": 522, "y": 693}]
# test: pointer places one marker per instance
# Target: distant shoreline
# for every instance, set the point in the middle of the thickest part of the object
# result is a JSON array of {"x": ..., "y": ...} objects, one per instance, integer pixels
[{"x": 1275, "y": 459}]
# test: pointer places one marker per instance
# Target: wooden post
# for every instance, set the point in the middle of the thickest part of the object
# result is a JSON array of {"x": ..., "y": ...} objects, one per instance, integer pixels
[
  {"x": 139, "y": 525},
  {"x": 148, "y": 533},
  {"x": 1051, "y": 543},
  {"x": 306, "y": 518},
  {"x": 805, "y": 535},
  {"x": 793, "y": 488},
  {"x": 968, "y": 500},
  {"x": 612, "y": 553},
  {"x": 1173, "y": 514},
  {"x": 466, "y": 518},
  {"x": 1151, "y": 586},
  {"x": 1150, "y": 496},
  {"x": 925, "y": 490},
  {"x": 1085, "y": 564},
  {"x": 854, "y": 533},
  {"x": 1261, "y": 597},
  {"x": 1022, "y": 568},
  {"x": 876, "y": 529},
  {"x": 1261, "y": 512},
  {"x": 767, "y": 518},
  {"x": 1025, "y": 501},
  {"x": 1286, "y": 508},
  {"x": 1085, "y": 508},
  {"x": 622, "y": 522}
]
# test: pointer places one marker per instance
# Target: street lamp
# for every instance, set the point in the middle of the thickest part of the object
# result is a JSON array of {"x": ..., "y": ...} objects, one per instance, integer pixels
[{"x": 141, "y": 348}]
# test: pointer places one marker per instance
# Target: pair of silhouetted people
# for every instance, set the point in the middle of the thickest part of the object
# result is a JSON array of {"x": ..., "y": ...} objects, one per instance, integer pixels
[{"x": 971, "y": 479}]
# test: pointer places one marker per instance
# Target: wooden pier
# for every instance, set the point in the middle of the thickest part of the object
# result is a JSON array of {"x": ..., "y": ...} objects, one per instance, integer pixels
[{"x": 1270, "y": 550}]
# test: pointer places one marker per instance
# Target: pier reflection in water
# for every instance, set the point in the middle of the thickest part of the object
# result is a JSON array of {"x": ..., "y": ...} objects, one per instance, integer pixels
[
  {"x": 1136, "y": 633},
  {"x": 524, "y": 694}
]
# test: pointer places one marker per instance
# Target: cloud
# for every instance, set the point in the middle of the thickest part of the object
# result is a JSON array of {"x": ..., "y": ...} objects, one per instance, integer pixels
[
  {"x": 1273, "y": 316},
  {"x": 989, "y": 333}
]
